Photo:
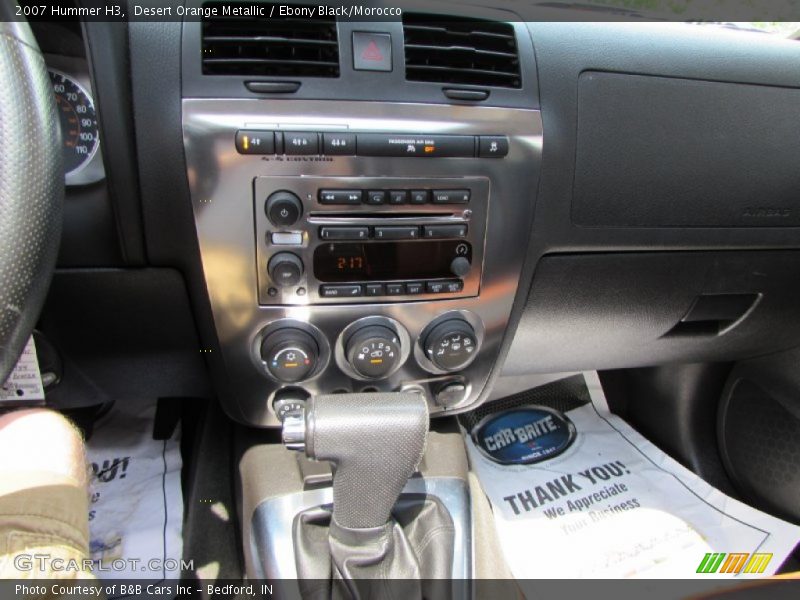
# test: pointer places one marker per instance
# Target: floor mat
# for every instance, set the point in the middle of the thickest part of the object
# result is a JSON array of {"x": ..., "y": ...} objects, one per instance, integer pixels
[
  {"x": 577, "y": 493},
  {"x": 136, "y": 510}
]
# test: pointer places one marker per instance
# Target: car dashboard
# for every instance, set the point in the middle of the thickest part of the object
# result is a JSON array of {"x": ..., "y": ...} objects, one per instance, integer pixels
[{"x": 459, "y": 203}]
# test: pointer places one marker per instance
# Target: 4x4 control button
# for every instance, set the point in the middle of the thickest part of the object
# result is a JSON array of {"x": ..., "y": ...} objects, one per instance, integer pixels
[
  {"x": 250, "y": 141},
  {"x": 339, "y": 144},
  {"x": 300, "y": 143}
]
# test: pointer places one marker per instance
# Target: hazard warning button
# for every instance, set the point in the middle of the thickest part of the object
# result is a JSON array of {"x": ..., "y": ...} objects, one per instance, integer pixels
[{"x": 372, "y": 51}]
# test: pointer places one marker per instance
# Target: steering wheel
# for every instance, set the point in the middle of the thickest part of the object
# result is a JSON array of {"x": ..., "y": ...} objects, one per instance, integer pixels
[{"x": 31, "y": 185}]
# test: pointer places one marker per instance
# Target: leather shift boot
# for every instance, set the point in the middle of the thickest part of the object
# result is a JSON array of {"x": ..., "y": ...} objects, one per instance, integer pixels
[{"x": 402, "y": 559}]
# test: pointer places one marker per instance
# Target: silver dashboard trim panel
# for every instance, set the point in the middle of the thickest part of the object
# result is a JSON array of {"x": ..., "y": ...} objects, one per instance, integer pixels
[{"x": 222, "y": 185}]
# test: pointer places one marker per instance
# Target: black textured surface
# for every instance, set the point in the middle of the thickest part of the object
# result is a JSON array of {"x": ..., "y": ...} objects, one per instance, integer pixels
[
  {"x": 760, "y": 439},
  {"x": 31, "y": 188},
  {"x": 725, "y": 157},
  {"x": 562, "y": 395},
  {"x": 608, "y": 311},
  {"x": 122, "y": 334},
  {"x": 675, "y": 407}
]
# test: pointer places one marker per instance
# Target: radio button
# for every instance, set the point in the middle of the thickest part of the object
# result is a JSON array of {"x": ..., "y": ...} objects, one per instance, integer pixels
[
  {"x": 398, "y": 197},
  {"x": 285, "y": 269},
  {"x": 454, "y": 286},
  {"x": 430, "y": 232},
  {"x": 300, "y": 143},
  {"x": 376, "y": 197},
  {"x": 451, "y": 196},
  {"x": 375, "y": 289},
  {"x": 435, "y": 287},
  {"x": 340, "y": 291},
  {"x": 340, "y": 196},
  {"x": 344, "y": 233},
  {"x": 419, "y": 196},
  {"x": 292, "y": 238},
  {"x": 395, "y": 289},
  {"x": 396, "y": 233},
  {"x": 283, "y": 208},
  {"x": 415, "y": 287}
]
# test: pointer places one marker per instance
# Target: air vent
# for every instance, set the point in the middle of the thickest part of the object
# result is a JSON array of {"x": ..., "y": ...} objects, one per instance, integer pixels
[
  {"x": 262, "y": 46},
  {"x": 457, "y": 50}
]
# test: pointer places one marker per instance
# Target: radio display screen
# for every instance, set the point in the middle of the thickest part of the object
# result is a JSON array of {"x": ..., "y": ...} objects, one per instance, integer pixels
[{"x": 380, "y": 261}]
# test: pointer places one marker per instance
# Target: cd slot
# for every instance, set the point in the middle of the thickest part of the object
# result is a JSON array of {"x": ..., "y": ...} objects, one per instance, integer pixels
[{"x": 350, "y": 216}]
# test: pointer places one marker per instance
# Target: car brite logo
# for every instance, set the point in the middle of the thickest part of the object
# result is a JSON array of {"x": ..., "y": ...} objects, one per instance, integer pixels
[{"x": 735, "y": 562}]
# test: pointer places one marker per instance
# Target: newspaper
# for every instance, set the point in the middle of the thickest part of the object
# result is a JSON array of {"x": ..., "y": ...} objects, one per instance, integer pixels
[
  {"x": 613, "y": 505},
  {"x": 24, "y": 385},
  {"x": 136, "y": 509}
]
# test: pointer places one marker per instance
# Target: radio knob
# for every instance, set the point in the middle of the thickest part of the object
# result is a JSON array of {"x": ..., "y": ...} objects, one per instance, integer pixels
[
  {"x": 285, "y": 269},
  {"x": 460, "y": 266},
  {"x": 283, "y": 208},
  {"x": 451, "y": 345},
  {"x": 291, "y": 354},
  {"x": 374, "y": 351}
]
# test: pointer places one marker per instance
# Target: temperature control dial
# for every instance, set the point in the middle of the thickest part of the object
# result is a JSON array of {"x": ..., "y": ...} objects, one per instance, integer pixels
[
  {"x": 374, "y": 351},
  {"x": 451, "y": 345},
  {"x": 291, "y": 354}
]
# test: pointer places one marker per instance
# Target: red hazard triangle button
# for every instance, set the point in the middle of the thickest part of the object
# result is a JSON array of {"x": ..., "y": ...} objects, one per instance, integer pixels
[{"x": 372, "y": 51}]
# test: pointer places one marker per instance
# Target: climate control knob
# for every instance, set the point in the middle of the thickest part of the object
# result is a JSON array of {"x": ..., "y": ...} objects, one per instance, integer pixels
[
  {"x": 283, "y": 208},
  {"x": 285, "y": 269},
  {"x": 290, "y": 354},
  {"x": 451, "y": 345},
  {"x": 374, "y": 351}
]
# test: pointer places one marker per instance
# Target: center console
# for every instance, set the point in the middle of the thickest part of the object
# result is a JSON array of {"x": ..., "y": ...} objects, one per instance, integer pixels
[
  {"x": 362, "y": 233},
  {"x": 351, "y": 247}
]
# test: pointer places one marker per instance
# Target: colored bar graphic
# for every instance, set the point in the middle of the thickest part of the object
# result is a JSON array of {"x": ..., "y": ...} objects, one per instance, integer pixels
[
  {"x": 758, "y": 562},
  {"x": 735, "y": 562}
]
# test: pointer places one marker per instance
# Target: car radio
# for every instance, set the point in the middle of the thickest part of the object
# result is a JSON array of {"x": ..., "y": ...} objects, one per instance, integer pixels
[{"x": 329, "y": 240}]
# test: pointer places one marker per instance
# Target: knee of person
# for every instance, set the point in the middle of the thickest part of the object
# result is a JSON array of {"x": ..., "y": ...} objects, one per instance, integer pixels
[{"x": 42, "y": 440}]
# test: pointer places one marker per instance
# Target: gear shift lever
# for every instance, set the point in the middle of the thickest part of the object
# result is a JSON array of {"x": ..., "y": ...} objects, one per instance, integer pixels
[{"x": 375, "y": 443}]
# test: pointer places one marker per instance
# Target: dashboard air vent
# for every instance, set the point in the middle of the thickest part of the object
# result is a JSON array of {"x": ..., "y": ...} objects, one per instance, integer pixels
[
  {"x": 457, "y": 50},
  {"x": 262, "y": 46}
]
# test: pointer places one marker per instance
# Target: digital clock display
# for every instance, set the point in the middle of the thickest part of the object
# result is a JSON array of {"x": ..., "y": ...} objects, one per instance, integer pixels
[
  {"x": 382, "y": 261},
  {"x": 350, "y": 263}
]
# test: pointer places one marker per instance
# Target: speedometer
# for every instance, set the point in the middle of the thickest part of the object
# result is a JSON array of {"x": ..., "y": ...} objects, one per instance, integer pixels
[{"x": 78, "y": 122}]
